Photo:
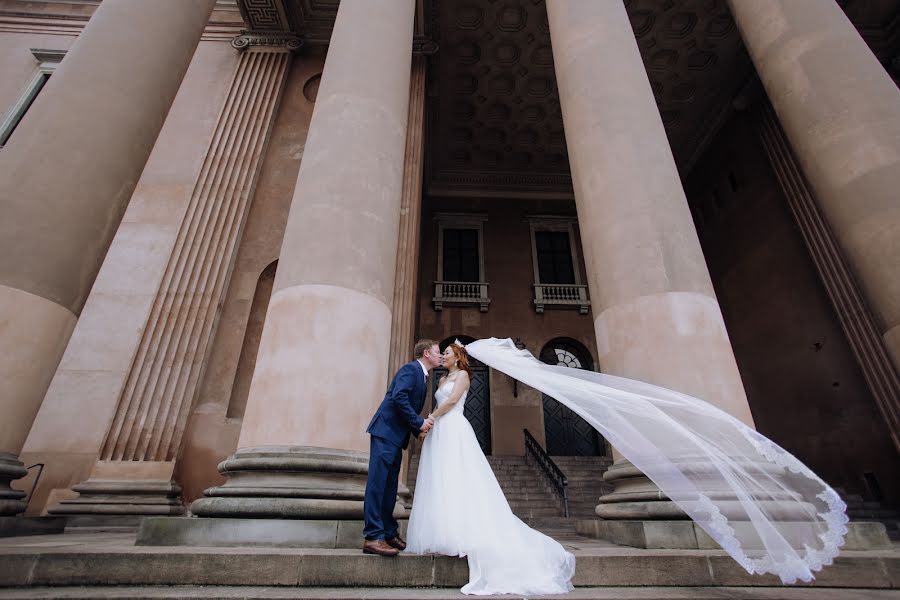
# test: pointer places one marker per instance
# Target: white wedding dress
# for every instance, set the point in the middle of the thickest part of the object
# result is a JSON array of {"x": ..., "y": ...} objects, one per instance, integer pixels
[{"x": 459, "y": 510}]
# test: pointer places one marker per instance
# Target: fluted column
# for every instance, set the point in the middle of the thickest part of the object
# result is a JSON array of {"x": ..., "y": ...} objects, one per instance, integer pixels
[
  {"x": 407, "y": 268},
  {"x": 406, "y": 279},
  {"x": 135, "y": 472},
  {"x": 840, "y": 111},
  {"x": 65, "y": 179},
  {"x": 854, "y": 316},
  {"x": 656, "y": 316},
  {"x": 324, "y": 351}
]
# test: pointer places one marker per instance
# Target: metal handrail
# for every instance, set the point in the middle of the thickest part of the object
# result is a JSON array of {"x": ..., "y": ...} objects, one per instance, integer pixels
[
  {"x": 550, "y": 468},
  {"x": 36, "y": 479}
]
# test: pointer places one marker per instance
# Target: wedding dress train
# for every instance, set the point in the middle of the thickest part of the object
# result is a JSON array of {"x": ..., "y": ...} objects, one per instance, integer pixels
[{"x": 459, "y": 510}]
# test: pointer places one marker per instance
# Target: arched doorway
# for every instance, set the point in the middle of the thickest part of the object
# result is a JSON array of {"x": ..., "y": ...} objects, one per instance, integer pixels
[
  {"x": 478, "y": 402},
  {"x": 565, "y": 432}
]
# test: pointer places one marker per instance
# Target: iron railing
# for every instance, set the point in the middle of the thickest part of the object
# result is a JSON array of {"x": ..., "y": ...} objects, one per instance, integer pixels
[
  {"x": 557, "y": 478},
  {"x": 36, "y": 480}
]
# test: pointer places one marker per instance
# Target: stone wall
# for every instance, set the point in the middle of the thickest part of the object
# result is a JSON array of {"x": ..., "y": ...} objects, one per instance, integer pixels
[
  {"x": 509, "y": 270},
  {"x": 805, "y": 388}
]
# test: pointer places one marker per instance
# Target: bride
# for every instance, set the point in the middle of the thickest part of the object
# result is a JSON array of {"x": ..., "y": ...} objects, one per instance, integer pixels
[
  {"x": 763, "y": 506},
  {"x": 459, "y": 509}
]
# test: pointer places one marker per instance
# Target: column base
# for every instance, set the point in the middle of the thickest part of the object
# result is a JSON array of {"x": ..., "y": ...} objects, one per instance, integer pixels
[
  {"x": 12, "y": 502},
  {"x": 637, "y": 498},
  {"x": 289, "y": 482},
  {"x": 121, "y": 498},
  {"x": 117, "y": 493},
  {"x": 277, "y": 533}
]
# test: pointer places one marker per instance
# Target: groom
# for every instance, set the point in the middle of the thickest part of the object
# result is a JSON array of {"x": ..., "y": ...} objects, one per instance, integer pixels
[{"x": 395, "y": 419}]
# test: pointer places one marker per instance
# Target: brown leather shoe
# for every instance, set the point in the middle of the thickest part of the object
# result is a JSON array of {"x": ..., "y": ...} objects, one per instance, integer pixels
[
  {"x": 379, "y": 547},
  {"x": 397, "y": 542}
]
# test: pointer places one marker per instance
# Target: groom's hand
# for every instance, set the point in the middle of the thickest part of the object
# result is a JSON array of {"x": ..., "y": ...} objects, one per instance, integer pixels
[{"x": 427, "y": 425}]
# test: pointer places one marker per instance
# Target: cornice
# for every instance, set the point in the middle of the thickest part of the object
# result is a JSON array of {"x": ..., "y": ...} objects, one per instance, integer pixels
[{"x": 46, "y": 55}]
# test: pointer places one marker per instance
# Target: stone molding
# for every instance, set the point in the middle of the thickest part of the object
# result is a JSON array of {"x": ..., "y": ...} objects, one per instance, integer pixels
[
  {"x": 44, "y": 55},
  {"x": 475, "y": 183},
  {"x": 122, "y": 497},
  {"x": 294, "y": 482}
]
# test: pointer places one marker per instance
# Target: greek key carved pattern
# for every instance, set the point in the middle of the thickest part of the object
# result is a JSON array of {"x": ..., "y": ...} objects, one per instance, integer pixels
[{"x": 264, "y": 14}]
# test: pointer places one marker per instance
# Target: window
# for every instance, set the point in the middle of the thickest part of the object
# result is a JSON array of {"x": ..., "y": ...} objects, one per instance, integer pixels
[
  {"x": 554, "y": 255},
  {"x": 48, "y": 59},
  {"x": 461, "y": 261},
  {"x": 557, "y": 281},
  {"x": 460, "y": 270}
]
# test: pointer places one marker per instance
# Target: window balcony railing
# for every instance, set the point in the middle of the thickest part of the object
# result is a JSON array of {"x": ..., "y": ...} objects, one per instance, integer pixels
[
  {"x": 555, "y": 294},
  {"x": 461, "y": 293}
]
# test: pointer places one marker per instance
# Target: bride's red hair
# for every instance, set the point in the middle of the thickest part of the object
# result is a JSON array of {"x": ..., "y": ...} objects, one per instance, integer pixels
[{"x": 462, "y": 358}]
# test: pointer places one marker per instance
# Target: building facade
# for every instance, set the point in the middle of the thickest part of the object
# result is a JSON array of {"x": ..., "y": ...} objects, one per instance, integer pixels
[{"x": 225, "y": 223}]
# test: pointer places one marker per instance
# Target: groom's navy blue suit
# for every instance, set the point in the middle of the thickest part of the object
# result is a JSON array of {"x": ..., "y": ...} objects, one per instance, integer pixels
[{"x": 396, "y": 418}]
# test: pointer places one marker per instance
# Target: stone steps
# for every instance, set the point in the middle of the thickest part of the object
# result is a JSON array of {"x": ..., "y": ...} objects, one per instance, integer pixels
[
  {"x": 526, "y": 487},
  {"x": 597, "y": 566},
  {"x": 527, "y": 492},
  {"x": 272, "y": 593}
]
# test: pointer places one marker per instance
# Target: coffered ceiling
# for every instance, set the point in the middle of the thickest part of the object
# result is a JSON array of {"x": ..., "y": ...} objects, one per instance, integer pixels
[{"x": 494, "y": 122}]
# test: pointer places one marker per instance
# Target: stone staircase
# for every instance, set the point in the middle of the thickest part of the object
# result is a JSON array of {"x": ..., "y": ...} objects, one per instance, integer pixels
[
  {"x": 859, "y": 509},
  {"x": 534, "y": 500},
  {"x": 528, "y": 494},
  {"x": 586, "y": 485},
  {"x": 376, "y": 593},
  {"x": 105, "y": 565}
]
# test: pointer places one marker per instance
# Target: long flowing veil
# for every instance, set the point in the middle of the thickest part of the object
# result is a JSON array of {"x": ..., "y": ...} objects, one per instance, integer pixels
[{"x": 764, "y": 507}]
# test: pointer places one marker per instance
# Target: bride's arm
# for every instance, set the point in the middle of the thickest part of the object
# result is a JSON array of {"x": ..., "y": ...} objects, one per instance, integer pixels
[{"x": 460, "y": 385}]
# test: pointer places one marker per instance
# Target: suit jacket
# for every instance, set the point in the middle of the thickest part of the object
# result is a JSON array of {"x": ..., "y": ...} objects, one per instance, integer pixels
[{"x": 398, "y": 414}]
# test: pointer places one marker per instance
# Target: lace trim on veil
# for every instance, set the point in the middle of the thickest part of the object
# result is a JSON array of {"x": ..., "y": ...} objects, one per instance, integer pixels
[
  {"x": 835, "y": 519},
  {"x": 653, "y": 426}
]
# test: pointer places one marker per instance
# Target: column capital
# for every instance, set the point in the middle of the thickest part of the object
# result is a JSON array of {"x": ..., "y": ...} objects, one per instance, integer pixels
[
  {"x": 425, "y": 46},
  {"x": 277, "y": 39}
]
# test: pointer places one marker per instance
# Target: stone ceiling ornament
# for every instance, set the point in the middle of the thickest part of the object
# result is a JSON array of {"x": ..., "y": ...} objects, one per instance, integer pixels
[
  {"x": 264, "y": 15},
  {"x": 247, "y": 39}
]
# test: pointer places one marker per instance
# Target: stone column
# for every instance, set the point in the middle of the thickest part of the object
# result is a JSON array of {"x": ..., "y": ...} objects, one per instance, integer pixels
[
  {"x": 407, "y": 268},
  {"x": 841, "y": 113},
  {"x": 656, "y": 316},
  {"x": 324, "y": 351},
  {"x": 406, "y": 280},
  {"x": 134, "y": 475},
  {"x": 65, "y": 179},
  {"x": 856, "y": 319}
]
